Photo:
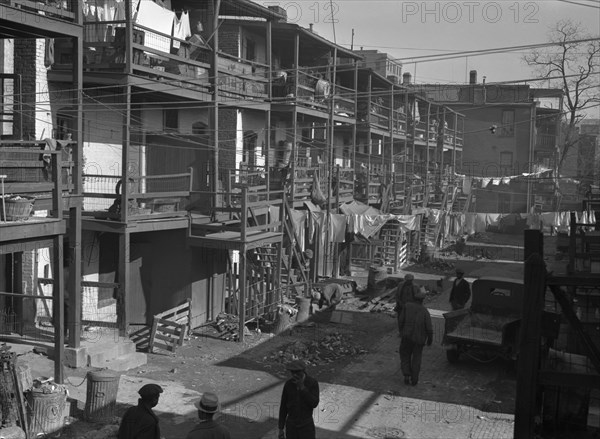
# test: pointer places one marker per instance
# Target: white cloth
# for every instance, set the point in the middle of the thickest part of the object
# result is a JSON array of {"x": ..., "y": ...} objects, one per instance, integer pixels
[
  {"x": 181, "y": 27},
  {"x": 156, "y": 17}
]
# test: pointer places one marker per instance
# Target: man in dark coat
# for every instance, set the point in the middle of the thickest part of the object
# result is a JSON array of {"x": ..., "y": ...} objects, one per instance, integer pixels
[
  {"x": 405, "y": 293},
  {"x": 140, "y": 422},
  {"x": 461, "y": 291},
  {"x": 208, "y": 428},
  {"x": 416, "y": 330},
  {"x": 299, "y": 398}
]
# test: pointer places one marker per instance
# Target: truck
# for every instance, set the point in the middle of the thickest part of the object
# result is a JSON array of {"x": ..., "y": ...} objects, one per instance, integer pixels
[{"x": 489, "y": 328}]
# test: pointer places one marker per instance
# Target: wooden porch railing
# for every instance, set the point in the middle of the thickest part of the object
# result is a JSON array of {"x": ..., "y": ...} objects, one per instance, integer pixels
[
  {"x": 105, "y": 48},
  {"x": 240, "y": 78},
  {"x": 150, "y": 196},
  {"x": 32, "y": 171}
]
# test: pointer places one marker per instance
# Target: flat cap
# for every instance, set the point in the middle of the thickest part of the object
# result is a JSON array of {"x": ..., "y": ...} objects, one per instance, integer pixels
[
  {"x": 409, "y": 277},
  {"x": 150, "y": 390},
  {"x": 295, "y": 365}
]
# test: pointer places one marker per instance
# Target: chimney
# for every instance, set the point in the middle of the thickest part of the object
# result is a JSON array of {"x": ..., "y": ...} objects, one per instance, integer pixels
[
  {"x": 406, "y": 77},
  {"x": 473, "y": 77},
  {"x": 310, "y": 27},
  {"x": 280, "y": 11}
]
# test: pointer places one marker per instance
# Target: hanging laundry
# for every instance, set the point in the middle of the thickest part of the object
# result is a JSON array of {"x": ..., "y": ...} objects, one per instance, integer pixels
[
  {"x": 485, "y": 182},
  {"x": 466, "y": 185},
  {"x": 337, "y": 230},
  {"x": 159, "y": 19},
  {"x": 181, "y": 28},
  {"x": 298, "y": 218},
  {"x": 49, "y": 53}
]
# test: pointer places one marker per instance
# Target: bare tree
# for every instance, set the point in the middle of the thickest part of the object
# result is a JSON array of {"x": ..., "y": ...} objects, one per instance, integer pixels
[{"x": 572, "y": 64}]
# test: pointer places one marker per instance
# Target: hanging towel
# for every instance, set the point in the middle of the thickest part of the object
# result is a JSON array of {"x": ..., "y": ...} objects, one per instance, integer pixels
[
  {"x": 156, "y": 17},
  {"x": 49, "y": 53},
  {"x": 466, "y": 185},
  {"x": 338, "y": 228},
  {"x": 181, "y": 28}
]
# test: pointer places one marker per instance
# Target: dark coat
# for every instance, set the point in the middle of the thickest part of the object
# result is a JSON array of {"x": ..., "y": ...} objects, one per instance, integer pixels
[
  {"x": 209, "y": 430},
  {"x": 405, "y": 293},
  {"x": 139, "y": 422},
  {"x": 460, "y": 293},
  {"x": 296, "y": 409},
  {"x": 414, "y": 323}
]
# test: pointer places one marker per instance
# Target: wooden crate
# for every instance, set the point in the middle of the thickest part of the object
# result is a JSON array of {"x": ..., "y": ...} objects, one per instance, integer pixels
[{"x": 170, "y": 327}]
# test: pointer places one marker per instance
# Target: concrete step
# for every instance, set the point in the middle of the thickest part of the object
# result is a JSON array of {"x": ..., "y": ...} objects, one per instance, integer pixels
[
  {"x": 109, "y": 351},
  {"x": 123, "y": 363}
]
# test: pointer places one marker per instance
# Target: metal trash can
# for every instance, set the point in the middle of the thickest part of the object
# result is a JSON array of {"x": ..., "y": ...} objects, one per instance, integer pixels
[
  {"x": 101, "y": 397},
  {"x": 46, "y": 409}
]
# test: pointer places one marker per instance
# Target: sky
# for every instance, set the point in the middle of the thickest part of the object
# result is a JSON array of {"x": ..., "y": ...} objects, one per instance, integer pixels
[{"x": 415, "y": 28}]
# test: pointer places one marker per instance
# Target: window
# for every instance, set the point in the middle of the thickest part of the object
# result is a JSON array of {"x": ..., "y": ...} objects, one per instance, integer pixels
[
  {"x": 250, "y": 50},
  {"x": 171, "y": 120},
  {"x": 508, "y": 123},
  {"x": 506, "y": 159}
]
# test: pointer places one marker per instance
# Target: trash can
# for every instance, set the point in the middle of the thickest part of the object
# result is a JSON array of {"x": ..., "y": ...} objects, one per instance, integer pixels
[
  {"x": 303, "y": 309},
  {"x": 46, "y": 406},
  {"x": 101, "y": 397}
]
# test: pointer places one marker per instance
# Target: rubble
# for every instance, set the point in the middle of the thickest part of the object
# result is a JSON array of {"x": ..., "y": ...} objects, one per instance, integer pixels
[{"x": 315, "y": 353}]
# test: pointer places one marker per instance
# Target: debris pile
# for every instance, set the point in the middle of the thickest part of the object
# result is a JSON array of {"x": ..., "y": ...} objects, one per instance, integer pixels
[
  {"x": 227, "y": 325},
  {"x": 327, "y": 350}
]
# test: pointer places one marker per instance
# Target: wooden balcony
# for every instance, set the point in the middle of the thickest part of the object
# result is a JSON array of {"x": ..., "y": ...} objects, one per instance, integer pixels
[
  {"x": 244, "y": 221},
  {"x": 310, "y": 91},
  {"x": 35, "y": 19},
  {"x": 36, "y": 189},
  {"x": 242, "y": 79},
  {"x": 150, "y": 197},
  {"x": 546, "y": 141},
  {"x": 163, "y": 60}
]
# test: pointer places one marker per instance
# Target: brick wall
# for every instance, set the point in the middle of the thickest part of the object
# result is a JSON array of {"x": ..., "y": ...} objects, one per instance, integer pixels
[
  {"x": 227, "y": 133},
  {"x": 229, "y": 40},
  {"x": 24, "y": 65}
]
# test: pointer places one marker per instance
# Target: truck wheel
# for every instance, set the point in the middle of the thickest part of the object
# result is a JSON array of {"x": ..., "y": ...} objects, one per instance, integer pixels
[{"x": 452, "y": 355}]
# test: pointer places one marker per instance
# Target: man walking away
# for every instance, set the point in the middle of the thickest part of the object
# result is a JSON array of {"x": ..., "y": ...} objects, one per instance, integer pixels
[
  {"x": 461, "y": 291},
  {"x": 299, "y": 398},
  {"x": 140, "y": 422},
  {"x": 405, "y": 293},
  {"x": 208, "y": 428},
  {"x": 416, "y": 330}
]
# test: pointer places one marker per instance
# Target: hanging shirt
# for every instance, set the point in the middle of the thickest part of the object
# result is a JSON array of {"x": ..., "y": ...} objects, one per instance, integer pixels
[{"x": 181, "y": 28}]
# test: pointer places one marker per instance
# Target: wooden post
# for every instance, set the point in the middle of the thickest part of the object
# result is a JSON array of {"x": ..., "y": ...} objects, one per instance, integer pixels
[
  {"x": 75, "y": 217},
  {"x": 124, "y": 269},
  {"x": 526, "y": 407},
  {"x": 58, "y": 301},
  {"x": 243, "y": 286}
]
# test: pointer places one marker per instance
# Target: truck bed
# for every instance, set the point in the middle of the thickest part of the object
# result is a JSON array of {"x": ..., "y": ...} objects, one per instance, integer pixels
[{"x": 480, "y": 328}]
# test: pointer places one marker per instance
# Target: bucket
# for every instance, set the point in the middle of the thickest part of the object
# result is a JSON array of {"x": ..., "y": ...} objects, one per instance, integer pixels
[
  {"x": 101, "y": 397},
  {"x": 303, "y": 309},
  {"x": 46, "y": 410}
]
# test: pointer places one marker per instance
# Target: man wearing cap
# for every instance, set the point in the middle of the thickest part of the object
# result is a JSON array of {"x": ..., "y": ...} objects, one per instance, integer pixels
[
  {"x": 416, "y": 330},
  {"x": 460, "y": 292},
  {"x": 405, "y": 293},
  {"x": 140, "y": 422},
  {"x": 299, "y": 398},
  {"x": 208, "y": 428}
]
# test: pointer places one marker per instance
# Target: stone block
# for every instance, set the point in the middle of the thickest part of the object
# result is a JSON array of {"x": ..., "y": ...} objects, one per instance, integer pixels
[{"x": 76, "y": 357}]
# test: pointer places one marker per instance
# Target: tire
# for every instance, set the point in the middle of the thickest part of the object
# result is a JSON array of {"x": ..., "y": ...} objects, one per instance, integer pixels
[{"x": 452, "y": 355}]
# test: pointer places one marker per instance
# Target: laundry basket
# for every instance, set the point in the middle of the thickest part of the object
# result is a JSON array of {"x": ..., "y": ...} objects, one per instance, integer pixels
[{"x": 16, "y": 209}]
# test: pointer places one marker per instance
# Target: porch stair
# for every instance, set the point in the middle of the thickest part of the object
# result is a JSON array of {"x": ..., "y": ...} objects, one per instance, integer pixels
[{"x": 105, "y": 349}]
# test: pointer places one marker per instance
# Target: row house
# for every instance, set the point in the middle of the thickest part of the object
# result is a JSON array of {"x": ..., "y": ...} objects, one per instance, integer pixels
[
  {"x": 199, "y": 129},
  {"x": 40, "y": 173},
  {"x": 509, "y": 130}
]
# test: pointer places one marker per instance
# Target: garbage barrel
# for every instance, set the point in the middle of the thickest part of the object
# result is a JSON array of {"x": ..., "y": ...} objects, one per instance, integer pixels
[
  {"x": 101, "y": 397},
  {"x": 303, "y": 309},
  {"x": 46, "y": 409}
]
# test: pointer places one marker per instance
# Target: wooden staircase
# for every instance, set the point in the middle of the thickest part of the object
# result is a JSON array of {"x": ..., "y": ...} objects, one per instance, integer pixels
[{"x": 293, "y": 256}]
